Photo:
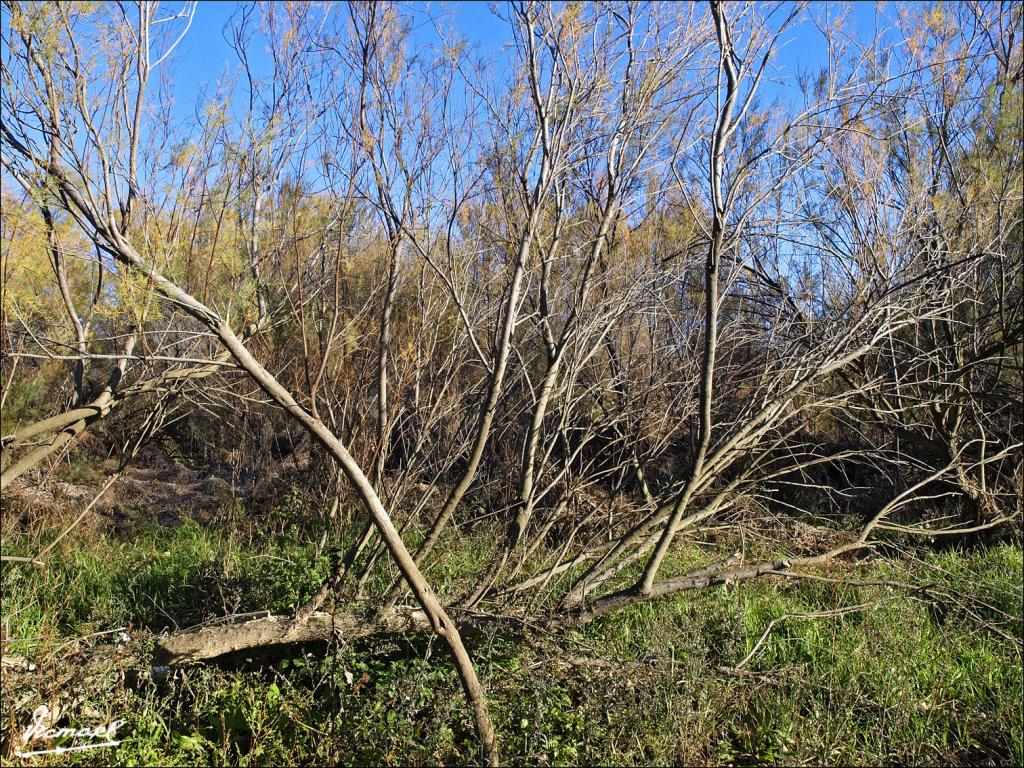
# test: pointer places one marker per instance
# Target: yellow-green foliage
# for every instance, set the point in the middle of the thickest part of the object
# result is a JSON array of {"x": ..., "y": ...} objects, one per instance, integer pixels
[
  {"x": 26, "y": 263},
  {"x": 30, "y": 289}
]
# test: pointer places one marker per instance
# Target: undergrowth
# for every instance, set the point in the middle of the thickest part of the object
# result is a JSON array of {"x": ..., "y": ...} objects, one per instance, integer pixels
[{"x": 923, "y": 677}]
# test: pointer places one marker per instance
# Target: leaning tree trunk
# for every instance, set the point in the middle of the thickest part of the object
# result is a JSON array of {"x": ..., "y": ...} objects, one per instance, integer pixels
[{"x": 124, "y": 251}]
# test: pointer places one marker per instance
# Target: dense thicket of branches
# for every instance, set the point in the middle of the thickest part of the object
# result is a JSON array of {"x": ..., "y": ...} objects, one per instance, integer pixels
[{"x": 632, "y": 284}]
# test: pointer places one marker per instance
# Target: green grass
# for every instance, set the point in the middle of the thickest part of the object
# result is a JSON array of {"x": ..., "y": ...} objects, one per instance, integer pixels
[{"x": 912, "y": 679}]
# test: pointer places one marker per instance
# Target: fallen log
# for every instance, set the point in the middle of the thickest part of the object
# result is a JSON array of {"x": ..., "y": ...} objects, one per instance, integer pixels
[
  {"x": 207, "y": 642},
  {"x": 204, "y": 643}
]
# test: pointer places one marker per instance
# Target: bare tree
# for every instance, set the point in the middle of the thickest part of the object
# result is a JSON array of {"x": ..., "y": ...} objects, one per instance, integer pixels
[{"x": 614, "y": 298}]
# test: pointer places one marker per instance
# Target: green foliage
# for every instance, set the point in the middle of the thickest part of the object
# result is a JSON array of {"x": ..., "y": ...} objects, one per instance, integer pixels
[{"x": 904, "y": 680}]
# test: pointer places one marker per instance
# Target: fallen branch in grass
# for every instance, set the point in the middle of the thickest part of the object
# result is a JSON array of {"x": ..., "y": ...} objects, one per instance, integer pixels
[{"x": 208, "y": 642}]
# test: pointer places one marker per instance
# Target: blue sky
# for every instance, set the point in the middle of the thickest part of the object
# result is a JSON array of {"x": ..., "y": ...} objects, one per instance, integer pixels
[{"x": 204, "y": 55}]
